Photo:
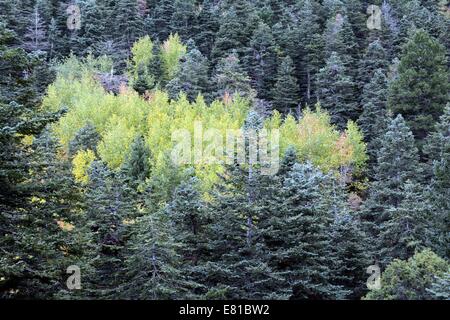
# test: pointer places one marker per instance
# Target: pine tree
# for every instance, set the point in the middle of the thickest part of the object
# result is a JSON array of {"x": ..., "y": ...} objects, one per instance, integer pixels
[
  {"x": 136, "y": 165},
  {"x": 439, "y": 288},
  {"x": 184, "y": 19},
  {"x": 93, "y": 28},
  {"x": 297, "y": 236},
  {"x": 310, "y": 49},
  {"x": 37, "y": 247},
  {"x": 128, "y": 23},
  {"x": 36, "y": 37},
  {"x": 191, "y": 77},
  {"x": 438, "y": 151},
  {"x": 337, "y": 91},
  {"x": 339, "y": 38},
  {"x": 236, "y": 27},
  {"x": 238, "y": 267},
  {"x": 374, "y": 116},
  {"x": 263, "y": 61},
  {"x": 420, "y": 91},
  {"x": 408, "y": 227},
  {"x": 159, "y": 19},
  {"x": 374, "y": 59},
  {"x": 207, "y": 27},
  {"x": 153, "y": 267},
  {"x": 397, "y": 164},
  {"x": 230, "y": 79},
  {"x": 109, "y": 202},
  {"x": 187, "y": 212},
  {"x": 350, "y": 253},
  {"x": 410, "y": 279},
  {"x": 286, "y": 93},
  {"x": 87, "y": 138}
]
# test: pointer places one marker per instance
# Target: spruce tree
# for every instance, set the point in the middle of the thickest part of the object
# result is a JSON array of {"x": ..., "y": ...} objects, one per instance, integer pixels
[
  {"x": 408, "y": 227},
  {"x": 153, "y": 266},
  {"x": 36, "y": 34},
  {"x": 230, "y": 79},
  {"x": 310, "y": 48},
  {"x": 420, "y": 91},
  {"x": 300, "y": 232},
  {"x": 374, "y": 59},
  {"x": 87, "y": 138},
  {"x": 337, "y": 91},
  {"x": 262, "y": 61},
  {"x": 438, "y": 151},
  {"x": 191, "y": 77},
  {"x": 136, "y": 165},
  {"x": 397, "y": 164},
  {"x": 109, "y": 203},
  {"x": 374, "y": 115},
  {"x": 286, "y": 93}
]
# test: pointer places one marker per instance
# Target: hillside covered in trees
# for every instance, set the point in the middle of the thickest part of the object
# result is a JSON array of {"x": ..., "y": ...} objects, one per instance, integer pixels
[{"x": 351, "y": 96}]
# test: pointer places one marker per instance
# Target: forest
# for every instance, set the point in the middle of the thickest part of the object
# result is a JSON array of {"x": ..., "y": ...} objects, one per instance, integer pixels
[{"x": 115, "y": 182}]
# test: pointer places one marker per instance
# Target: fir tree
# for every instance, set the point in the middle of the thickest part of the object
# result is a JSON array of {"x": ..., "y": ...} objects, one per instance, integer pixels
[
  {"x": 153, "y": 266},
  {"x": 86, "y": 138},
  {"x": 136, "y": 165},
  {"x": 36, "y": 37},
  {"x": 421, "y": 90},
  {"x": 231, "y": 79},
  {"x": 374, "y": 59},
  {"x": 408, "y": 227},
  {"x": 337, "y": 91},
  {"x": 263, "y": 61},
  {"x": 191, "y": 77},
  {"x": 286, "y": 93},
  {"x": 374, "y": 117}
]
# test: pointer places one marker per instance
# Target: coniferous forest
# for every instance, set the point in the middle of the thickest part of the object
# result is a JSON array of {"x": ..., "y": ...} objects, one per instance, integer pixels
[{"x": 101, "y": 199}]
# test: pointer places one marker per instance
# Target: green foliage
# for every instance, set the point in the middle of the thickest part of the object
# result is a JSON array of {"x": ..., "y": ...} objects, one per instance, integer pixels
[
  {"x": 337, "y": 91},
  {"x": 192, "y": 76},
  {"x": 410, "y": 279},
  {"x": 286, "y": 94},
  {"x": 171, "y": 52},
  {"x": 420, "y": 92}
]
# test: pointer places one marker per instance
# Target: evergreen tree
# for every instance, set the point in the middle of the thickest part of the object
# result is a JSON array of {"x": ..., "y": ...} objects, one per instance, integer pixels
[
  {"x": 191, "y": 77},
  {"x": 337, "y": 91},
  {"x": 310, "y": 49},
  {"x": 36, "y": 37},
  {"x": 231, "y": 79},
  {"x": 374, "y": 117},
  {"x": 236, "y": 27},
  {"x": 339, "y": 38},
  {"x": 189, "y": 217},
  {"x": 410, "y": 279},
  {"x": 408, "y": 227},
  {"x": 297, "y": 236},
  {"x": 159, "y": 19},
  {"x": 153, "y": 266},
  {"x": 184, "y": 19},
  {"x": 136, "y": 165},
  {"x": 86, "y": 138},
  {"x": 128, "y": 23},
  {"x": 109, "y": 202},
  {"x": 397, "y": 164},
  {"x": 263, "y": 61},
  {"x": 438, "y": 151},
  {"x": 420, "y": 91},
  {"x": 238, "y": 267},
  {"x": 286, "y": 93},
  {"x": 207, "y": 27},
  {"x": 374, "y": 59}
]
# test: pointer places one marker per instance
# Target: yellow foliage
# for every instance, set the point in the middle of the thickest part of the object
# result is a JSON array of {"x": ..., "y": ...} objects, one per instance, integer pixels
[{"x": 81, "y": 163}]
